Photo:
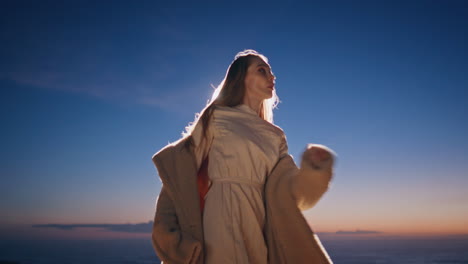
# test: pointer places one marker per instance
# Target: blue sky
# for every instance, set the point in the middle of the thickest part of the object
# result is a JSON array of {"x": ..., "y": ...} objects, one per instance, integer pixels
[{"x": 91, "y": 90}]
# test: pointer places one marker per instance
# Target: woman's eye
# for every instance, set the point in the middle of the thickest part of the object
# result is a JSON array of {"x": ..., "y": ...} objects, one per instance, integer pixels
[{"x": 262, "y": 70}]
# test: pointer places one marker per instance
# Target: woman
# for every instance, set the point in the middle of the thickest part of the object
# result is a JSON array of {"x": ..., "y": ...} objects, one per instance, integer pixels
[{"x": 231, "y": 192}]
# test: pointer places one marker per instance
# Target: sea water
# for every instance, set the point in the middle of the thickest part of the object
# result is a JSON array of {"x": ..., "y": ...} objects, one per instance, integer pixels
[{"x": 452, "y": 250}]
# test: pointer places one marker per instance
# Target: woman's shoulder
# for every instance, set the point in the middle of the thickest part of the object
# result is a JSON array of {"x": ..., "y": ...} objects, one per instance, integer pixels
[
  {"x": 277, "y": 129},
  {"x": 168, "y": 151}
]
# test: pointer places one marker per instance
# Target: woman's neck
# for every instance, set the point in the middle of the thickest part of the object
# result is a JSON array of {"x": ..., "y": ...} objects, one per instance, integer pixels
[{"x": 253, "y": 104}]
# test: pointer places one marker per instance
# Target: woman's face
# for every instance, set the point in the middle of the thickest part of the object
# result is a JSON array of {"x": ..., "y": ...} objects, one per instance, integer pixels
[{"x": 259, "y": 81}]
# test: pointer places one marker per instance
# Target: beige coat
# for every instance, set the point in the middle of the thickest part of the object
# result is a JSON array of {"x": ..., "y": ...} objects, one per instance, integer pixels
[{"x": 178, "y": 227}]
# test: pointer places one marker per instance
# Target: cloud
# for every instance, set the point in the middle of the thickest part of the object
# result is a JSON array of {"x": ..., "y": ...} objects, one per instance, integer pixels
[
  {"x": 357, "y": 232},
  {"x": 105, "y": 87},
  {"x": 116, "y": 89},
  {"x": 130, "y": 228}
]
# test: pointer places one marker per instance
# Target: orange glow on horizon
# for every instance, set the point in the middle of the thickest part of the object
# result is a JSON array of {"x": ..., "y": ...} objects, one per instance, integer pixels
[{"x": 395, "y": 228}]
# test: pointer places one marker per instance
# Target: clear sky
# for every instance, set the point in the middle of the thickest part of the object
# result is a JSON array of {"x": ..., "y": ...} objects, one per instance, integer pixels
[{"x": 90, "y": 91}]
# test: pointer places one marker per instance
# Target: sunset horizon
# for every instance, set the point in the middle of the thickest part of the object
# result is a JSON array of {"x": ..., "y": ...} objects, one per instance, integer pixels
[{"x": 135, "y": 230}]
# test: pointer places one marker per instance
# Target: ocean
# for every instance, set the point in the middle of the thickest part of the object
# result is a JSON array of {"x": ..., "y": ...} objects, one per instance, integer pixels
[{"x": 451, "y": 250}]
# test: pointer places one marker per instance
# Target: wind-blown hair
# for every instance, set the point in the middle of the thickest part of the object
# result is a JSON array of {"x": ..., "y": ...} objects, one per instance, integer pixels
[{"x": 231, "y": 91}]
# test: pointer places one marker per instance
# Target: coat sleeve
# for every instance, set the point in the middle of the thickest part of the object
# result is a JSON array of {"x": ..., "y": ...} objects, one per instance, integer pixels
[
  {"x": 171, "y": 244},
  {"x": 308, "y": 184},
  {"x": 288, "y": 234}
]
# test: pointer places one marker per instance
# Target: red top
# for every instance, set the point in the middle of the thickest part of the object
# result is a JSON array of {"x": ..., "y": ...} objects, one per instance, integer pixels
[{"x": 202, "y": 182}]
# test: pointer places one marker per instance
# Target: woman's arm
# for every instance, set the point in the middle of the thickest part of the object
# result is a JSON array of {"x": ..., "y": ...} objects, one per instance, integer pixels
[
  {"x": 314, "y": 176},
  {"x": 311, "y": 181},
  {"x": 170, "y": 243}
]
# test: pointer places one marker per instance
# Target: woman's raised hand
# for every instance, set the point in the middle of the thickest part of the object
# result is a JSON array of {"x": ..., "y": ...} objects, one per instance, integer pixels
[{"x": 318, "y": 156}]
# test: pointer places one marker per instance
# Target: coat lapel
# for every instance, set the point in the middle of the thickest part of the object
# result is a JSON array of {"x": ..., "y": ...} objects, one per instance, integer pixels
[
  {"x": 185, "y": 183},
  {"x": 288, "y": 235}
]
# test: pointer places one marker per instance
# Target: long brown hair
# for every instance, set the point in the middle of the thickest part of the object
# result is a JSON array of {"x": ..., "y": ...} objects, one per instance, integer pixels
[{"x": 230, "y": 92}]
